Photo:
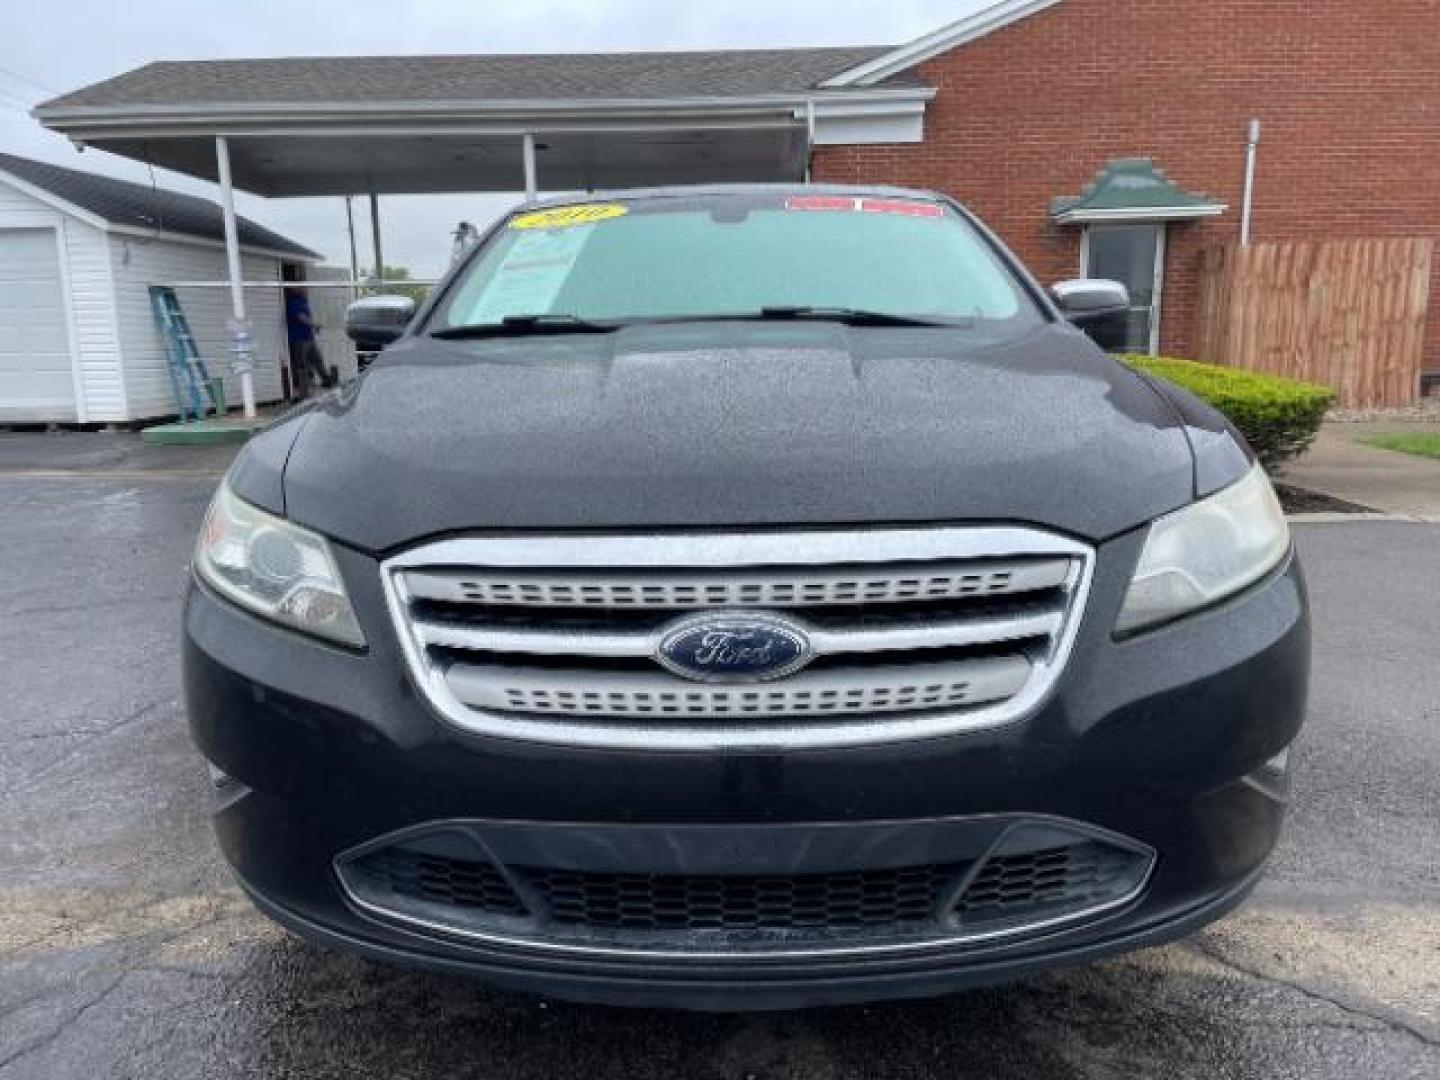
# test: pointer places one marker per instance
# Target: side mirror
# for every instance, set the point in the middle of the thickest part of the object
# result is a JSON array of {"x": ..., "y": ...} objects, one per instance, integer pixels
[
  {"x": 377, "y": 321},
  {"x": 1100, "y": 308}
]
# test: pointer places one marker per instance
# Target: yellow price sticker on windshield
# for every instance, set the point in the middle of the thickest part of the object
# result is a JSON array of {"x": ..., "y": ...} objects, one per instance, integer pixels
[{"x": 567, "y": 217}]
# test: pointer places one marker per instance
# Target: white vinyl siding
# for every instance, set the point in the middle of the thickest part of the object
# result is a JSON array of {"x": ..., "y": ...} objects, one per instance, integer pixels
[
  {"x": 37, "y": 381},
  {"x": 138, "y": 263},
  {"x": 85, "y": 269},
  {"x": 92, "y": 286},
  {"x": 92, "y": 318}
]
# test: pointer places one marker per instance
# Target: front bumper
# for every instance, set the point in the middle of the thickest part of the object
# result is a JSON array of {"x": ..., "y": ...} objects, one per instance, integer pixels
[{"x": 1162, "y": 739}]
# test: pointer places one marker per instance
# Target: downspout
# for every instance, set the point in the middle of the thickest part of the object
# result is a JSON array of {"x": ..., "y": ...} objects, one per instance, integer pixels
[
  {"x": 809, "y": 135},
  {"x": 1252, "y": 146}
]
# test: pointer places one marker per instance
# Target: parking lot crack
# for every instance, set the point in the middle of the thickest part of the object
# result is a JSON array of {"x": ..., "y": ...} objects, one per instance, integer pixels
[
  {"x": 141, "y": 959},
  {"x": 61, "y": 1028},
  {"x": 137, "y": 715},
  {"x": 1391, "y": 1022}
]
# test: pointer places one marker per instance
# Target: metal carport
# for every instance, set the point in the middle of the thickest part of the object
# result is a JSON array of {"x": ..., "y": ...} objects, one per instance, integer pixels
[{"x": 382, "y": 125}]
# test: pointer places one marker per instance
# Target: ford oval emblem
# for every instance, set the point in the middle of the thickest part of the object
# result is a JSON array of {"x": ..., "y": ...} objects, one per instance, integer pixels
[{"x": 734, "y": 647}]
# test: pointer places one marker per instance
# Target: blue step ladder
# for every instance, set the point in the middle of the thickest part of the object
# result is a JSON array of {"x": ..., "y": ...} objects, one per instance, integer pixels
[{"x": 195, "y": 394}]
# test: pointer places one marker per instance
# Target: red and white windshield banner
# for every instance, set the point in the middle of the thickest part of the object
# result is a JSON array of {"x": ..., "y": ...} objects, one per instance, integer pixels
[{"x": 860, "y": 205}]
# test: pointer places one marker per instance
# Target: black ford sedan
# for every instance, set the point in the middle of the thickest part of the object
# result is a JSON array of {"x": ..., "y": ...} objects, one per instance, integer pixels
[{"x": 746, "y": 598}]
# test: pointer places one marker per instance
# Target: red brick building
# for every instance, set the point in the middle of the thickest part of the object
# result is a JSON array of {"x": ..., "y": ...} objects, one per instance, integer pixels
[{"x": 1347, "y": 93}]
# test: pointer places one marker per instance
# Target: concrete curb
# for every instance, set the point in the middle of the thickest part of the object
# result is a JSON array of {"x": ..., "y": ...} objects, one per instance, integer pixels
[
  {"x": 110, "y": 474},
  {"x": 1332, "y": 518},
  {"x": 211, "y": 432}
]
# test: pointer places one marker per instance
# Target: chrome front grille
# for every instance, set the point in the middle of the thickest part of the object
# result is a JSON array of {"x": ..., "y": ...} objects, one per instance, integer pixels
[
  {"x": 914, "y": 632},
  {"x": 659, "y": 695},
  {"x": 792, "y": 587}
]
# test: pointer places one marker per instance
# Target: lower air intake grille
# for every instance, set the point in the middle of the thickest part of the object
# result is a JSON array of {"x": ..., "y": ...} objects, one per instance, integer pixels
[
  {"x": 410, "y": 878},
  {"x": 742, "y": 902},
  {"x": 1037, "y": 876},
  {"x": 1055, "y": 881}
]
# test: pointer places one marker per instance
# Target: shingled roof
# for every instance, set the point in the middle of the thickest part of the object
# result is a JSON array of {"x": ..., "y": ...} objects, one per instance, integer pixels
[
  {"x": 1133, "y": 188},
  {"x": 497, "y": 78},
  {"x": 138, "y": 206}
]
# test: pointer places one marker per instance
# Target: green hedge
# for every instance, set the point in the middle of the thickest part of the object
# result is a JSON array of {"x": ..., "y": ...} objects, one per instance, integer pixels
[{"x": 1278, "y": 416}]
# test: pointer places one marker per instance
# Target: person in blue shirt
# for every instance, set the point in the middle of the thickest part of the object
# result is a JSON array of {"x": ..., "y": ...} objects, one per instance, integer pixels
[{"x": 305, "y": 359}]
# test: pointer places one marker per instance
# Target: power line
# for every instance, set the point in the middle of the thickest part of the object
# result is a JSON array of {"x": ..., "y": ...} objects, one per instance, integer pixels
[
  {"x": 27, "y": 80},
  {"x": 14, "y": 99},
  {"x": 10, "y": 101}
]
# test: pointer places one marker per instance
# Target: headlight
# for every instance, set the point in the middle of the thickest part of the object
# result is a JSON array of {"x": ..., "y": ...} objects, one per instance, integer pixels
[
  {"x": 1206, "y": 552},
  {"x": 274, "y": 569}
]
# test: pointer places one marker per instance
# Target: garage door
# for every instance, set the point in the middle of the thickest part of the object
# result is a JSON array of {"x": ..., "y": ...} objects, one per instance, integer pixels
[{"x": 35, "y": 372}]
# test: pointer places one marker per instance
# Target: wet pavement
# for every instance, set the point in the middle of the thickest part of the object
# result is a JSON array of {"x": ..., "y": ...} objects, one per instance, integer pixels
[{"x": 125, "y": 951}]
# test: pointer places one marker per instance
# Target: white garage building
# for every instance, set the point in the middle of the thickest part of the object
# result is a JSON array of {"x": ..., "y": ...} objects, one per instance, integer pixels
[{"x": 78, "y": 253}]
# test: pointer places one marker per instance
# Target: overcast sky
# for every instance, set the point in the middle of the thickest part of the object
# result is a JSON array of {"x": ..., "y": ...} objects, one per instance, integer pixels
[{"x": 61, "y": 45}]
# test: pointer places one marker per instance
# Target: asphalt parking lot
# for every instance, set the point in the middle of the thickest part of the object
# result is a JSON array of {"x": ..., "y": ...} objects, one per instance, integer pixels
[{"x": 125, "y": 951}]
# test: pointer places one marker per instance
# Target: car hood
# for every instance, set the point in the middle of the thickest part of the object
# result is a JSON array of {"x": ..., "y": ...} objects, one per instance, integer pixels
[{"x": 739, "y": 424}]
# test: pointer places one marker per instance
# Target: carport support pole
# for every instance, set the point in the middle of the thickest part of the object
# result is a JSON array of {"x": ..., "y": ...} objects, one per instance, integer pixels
[
  {"x": 354, "y": 255},
  {"x": 375, "y": 237},
  {"x": 241, "y": 342},
  {"x": 531, "y": 183}
]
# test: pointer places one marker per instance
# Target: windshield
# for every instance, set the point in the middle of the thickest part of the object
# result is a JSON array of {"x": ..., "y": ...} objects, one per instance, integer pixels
[{"x": 737, "y": 256}]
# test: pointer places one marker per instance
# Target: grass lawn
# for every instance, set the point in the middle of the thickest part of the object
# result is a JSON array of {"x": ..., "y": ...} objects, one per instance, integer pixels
[{"x": 1421, "y": 444}]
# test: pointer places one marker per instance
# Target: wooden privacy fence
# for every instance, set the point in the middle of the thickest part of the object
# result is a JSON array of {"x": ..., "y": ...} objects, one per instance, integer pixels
[{"x": 1347, "y": 313}]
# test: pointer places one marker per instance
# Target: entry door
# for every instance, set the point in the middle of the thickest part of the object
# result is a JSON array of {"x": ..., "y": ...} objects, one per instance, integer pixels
[
  {"x": 36, "y": 376},
  {"x": 1133, "y": 255},
  {"x": 328, "y": 306}
]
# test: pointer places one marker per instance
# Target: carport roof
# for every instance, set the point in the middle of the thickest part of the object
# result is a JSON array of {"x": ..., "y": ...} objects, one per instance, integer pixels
[
  {"x": 501, "y": 77},
  {"x": 416, "y": 124},
  {"x": 140, "y": 207},
  {"x": 413, "y": 124}
]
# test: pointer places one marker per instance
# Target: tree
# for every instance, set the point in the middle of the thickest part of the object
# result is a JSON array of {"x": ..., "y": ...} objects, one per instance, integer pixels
[{"x": 393, "y": 275}]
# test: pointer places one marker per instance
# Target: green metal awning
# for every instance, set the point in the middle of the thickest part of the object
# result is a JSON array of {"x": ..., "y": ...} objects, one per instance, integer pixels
[{"x": 1133, "y": 189}]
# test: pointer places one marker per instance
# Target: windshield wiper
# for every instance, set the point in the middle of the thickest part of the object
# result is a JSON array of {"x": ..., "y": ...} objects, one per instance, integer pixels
[
  {"x": 849, "y": 316},
  {"x": 520, "y": 325}
]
